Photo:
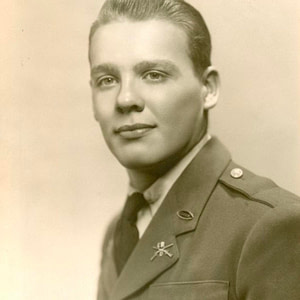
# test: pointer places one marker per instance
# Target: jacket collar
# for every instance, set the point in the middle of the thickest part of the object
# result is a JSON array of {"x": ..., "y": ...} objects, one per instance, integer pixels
[{"x": 189, "y": 193}]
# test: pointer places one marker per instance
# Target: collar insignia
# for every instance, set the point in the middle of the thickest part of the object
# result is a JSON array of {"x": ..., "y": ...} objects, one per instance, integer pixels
[{"x": 161, "y": 249}]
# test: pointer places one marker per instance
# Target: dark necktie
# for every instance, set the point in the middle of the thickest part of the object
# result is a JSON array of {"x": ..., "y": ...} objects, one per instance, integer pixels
[{"x": 126, "y": 234}]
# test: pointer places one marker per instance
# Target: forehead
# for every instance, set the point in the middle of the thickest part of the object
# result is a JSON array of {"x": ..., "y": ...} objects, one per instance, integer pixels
[{"x": 127, "y": 41}]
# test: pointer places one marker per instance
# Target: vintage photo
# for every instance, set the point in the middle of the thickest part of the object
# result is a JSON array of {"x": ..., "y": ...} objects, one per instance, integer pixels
[{"x": 150, "y": 150}]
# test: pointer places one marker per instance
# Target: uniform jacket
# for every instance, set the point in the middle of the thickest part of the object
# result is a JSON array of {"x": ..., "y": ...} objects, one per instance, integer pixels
[{"x": 231, "y": 235}]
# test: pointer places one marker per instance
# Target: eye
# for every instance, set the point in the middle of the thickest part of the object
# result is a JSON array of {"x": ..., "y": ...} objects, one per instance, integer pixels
[
  {"x": 155, "y": 76},
  {"x": 106, "y": 81}
]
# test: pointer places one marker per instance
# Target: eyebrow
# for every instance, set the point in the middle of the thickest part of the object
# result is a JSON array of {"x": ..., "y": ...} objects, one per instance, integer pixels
[
  {"x": 109, "y": 68},
  {"x": 166, "y": 65},
  {"x": 106, "y": 68}
]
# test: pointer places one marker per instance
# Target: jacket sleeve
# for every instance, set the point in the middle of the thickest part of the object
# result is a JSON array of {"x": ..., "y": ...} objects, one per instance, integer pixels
[
  {"x": 269, "y": 265},
  {"x": 103, "y": 281}
]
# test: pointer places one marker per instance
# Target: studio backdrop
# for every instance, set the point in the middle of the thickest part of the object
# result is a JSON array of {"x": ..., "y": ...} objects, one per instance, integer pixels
[{"x": 60, "y": 185}]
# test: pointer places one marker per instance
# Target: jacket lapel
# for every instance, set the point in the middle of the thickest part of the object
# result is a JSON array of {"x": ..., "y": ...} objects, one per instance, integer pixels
[
  {"x": 190, "y": 193},
  {"x": 139, "y": 269}
]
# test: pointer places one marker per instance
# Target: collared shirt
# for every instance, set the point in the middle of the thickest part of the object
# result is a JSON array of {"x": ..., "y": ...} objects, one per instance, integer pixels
[{"x": 156, "y": 193}]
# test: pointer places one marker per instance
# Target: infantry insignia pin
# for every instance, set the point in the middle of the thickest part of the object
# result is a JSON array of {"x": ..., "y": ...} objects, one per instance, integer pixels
[{"x": 161, "y": 249}]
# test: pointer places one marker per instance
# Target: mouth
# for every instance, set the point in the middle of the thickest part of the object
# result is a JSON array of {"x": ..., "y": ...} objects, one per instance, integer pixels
[{"x": 134, "y": 131}]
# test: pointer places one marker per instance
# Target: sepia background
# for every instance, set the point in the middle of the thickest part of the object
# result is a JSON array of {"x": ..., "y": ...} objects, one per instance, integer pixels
[{"x": 59, "y": 183}]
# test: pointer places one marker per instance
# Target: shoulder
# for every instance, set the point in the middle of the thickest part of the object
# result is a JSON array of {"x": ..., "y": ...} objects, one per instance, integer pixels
[
  {"x": 258, "y": 205},
  {"x": 256, "y": 189},
  {"x": 269, "y": 262}
]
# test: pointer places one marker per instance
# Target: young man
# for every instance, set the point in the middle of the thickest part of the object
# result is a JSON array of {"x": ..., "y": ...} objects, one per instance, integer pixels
[{"x": 195, "y": 224}]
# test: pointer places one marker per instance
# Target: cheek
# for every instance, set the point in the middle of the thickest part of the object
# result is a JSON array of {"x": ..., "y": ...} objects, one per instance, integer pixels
[
  {"x": 102, "y": 108},
  {"x": 179, "y": 107}
]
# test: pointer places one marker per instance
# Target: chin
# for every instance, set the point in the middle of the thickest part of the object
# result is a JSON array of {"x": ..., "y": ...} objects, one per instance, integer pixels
[
  {"x": 154, "y": 165},
  {"x": 133, "y": 155},
  {"x": 136, "y": 160},
  {"x": 135, "y": 163}
]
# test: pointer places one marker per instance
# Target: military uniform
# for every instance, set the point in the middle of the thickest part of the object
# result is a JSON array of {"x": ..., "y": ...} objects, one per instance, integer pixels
[{"x": 221, "y": 233}]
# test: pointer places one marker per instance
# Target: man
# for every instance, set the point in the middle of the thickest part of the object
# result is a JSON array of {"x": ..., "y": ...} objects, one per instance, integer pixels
[{"x": 195, "y": 224}]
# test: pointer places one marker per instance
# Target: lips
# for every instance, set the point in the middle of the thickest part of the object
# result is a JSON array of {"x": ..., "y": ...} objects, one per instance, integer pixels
[
  {"x": 133, "y": 127},
  {"x": 134, "y": 131}
]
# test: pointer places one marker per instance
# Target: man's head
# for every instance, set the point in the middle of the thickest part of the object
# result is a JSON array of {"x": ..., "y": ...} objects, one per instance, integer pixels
[
  {"x": 151, "y": 94},
  {"x": 177, "y": 12}
]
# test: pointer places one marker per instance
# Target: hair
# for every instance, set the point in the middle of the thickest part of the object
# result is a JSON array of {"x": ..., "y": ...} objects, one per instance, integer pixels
[{"x": 178, "y": 12}]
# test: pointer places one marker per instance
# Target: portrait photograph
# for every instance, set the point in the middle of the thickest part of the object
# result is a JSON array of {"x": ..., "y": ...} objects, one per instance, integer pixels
[{"x": 150, "y": 149}]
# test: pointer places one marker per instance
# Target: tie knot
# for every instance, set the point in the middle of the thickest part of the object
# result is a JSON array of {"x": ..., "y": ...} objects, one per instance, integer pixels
[{"x": 134, "y": 204}]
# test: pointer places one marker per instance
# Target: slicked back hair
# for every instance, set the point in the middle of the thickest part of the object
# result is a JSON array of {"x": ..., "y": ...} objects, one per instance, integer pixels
[{"x": 177, "y": 12}]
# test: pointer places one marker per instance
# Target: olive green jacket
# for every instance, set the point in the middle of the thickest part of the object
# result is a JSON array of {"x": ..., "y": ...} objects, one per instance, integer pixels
[{"x": 230, "y": 235}]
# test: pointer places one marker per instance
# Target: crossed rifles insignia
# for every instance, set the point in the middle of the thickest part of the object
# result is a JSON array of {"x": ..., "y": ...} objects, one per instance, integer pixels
[{"x": 161, "y": 249}]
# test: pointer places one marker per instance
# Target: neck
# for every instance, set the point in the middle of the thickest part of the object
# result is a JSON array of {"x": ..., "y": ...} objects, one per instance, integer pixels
[{"x": 141, "y": 180}]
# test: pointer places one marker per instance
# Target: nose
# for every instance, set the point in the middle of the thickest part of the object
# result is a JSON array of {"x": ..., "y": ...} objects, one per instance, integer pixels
[{"x": 129, "y": 99}]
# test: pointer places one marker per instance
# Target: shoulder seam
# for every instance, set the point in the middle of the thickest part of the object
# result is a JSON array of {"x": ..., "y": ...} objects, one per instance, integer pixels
[{"x": 250, "y": 197}]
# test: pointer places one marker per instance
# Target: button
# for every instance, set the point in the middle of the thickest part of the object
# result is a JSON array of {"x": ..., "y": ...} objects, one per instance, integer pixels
[
  {"x": 236, "y": 173},
  {"x": 185, "y": 215}
]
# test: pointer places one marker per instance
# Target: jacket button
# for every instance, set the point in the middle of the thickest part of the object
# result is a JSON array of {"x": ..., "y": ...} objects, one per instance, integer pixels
[
  {"x": 185, "y": 215},
  {"x": 236, "y": 173}
]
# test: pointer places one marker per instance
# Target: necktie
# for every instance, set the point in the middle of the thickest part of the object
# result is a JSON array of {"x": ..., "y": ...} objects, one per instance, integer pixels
[{"x": 126, "y": 234}]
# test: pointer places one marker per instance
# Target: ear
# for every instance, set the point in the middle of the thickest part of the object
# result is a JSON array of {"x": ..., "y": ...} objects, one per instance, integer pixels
[{"x": 211, "y": 87}]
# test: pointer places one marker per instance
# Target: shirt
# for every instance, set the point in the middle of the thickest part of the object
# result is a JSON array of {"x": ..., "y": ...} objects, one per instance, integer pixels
[{"x": 156, "y": 193}]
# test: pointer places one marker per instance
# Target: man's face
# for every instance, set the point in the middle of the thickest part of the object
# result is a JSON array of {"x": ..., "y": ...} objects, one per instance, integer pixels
[{"x": 146, "y": 96}]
